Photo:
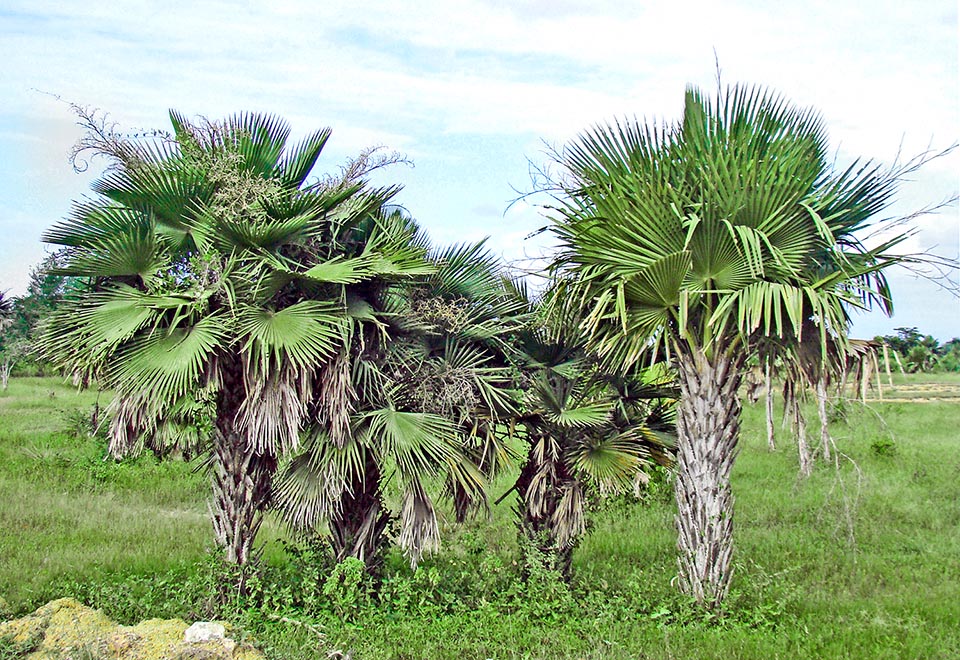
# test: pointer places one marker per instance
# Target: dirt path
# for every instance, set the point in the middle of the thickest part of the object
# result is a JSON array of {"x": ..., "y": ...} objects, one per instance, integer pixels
[{"x": 916, "y": 393}]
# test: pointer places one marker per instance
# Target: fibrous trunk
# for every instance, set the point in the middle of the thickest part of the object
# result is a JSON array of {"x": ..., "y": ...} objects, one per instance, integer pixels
[
  {"x": 358, "y": 528},
  {"x": 241, "y": 491},
  {"x": 540, "y": 488},
  {"x": 708, "y": 426},
  {"x": 825, "y": 439},
  {"x": 804, "y": 454},
  {"x": 242, "y": 478}
]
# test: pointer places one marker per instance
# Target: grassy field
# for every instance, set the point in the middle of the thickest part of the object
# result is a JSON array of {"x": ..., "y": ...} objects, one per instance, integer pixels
[{"x": 862, "y": 560}]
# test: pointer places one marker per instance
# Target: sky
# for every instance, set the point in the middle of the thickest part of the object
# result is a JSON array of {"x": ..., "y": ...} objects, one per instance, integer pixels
[{"x": 474, "y": 92}]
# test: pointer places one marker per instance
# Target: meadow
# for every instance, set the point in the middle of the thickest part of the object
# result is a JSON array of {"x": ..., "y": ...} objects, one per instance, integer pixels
[{"x": 861, "y": 560}]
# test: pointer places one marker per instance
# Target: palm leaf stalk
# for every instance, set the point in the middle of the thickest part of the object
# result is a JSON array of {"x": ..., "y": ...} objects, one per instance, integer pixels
[{"x": 693, "y": 240}]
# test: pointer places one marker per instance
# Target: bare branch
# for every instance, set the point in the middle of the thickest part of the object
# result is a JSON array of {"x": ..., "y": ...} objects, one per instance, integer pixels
[
  {"x": 888, "y": 224},
  {"x": 369, "y": 160},
  {"x": 101, "y": 139},
  {"x": 941, "y": 271}
]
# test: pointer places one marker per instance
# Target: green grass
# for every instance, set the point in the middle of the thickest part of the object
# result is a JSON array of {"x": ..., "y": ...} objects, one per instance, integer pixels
[
  {"x": 861, "y": 560},
  {"x": 70, "y": 512}
]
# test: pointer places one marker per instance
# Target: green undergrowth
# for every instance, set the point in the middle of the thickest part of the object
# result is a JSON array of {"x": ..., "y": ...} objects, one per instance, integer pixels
[{"x": 861, "y": 560}]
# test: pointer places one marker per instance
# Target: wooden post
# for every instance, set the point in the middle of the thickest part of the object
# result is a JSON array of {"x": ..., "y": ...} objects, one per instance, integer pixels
[
  {"x": 886, "y": 361},
  {"x": 876, "y": 367},
  {"x": 896, "y": 356},
  {"x": 866, "y": 365},
  {"x": 768, "y": 378}
]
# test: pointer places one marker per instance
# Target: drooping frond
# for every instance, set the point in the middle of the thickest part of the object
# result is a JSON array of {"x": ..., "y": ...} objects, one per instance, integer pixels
[
  {"x": 419, "y": 531},
  {"x": 273, "y": 412},
  {"x": 310, "y": 485},
  {"x": 337, "y": 396},
  {"x": 569, "y": 516}
]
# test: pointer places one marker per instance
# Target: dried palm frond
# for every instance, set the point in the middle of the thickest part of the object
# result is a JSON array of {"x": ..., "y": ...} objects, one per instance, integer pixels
[{"x": 419, "y": 531}]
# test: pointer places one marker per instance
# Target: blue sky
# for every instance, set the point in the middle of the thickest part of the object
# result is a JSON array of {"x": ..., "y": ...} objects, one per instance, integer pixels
[{"x": 470, "y": 91}]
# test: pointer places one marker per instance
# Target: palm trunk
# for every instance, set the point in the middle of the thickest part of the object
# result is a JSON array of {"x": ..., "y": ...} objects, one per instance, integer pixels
[
  {"x": 708, "y": 426},
  {"x": 803, "y": 449},
  {"x": 539, "y": 487},
  {"x": 789, "y": 398},
  {"x": 241, "y": 492},
  {"x": 242, "y": 479},
  {"x": 463, "y": 502},
  {"x": 358, "y": 529},
  {"x": 825, "y": 438}
]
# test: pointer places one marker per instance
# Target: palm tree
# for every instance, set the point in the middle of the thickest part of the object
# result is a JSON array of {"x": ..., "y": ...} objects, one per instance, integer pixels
[
  {"x": 6, "y": 358},
  {"x": 425, "y": 388},
  {"x": 589, "y": 430},
  {"x": 215, "y": 297},
  {"x": 695, "y": 240}
]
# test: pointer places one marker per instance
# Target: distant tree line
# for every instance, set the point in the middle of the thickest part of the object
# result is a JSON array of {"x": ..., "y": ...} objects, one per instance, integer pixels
[
  {"x": 923, "y": 353},
  {"x": 20, "y": 317}
]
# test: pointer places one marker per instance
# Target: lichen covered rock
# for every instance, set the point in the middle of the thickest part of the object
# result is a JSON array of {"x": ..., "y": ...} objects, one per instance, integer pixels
[{"x": 65, "y": 629}]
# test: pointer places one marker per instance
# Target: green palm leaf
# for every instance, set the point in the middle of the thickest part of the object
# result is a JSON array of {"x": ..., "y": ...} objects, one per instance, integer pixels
[
  {"x": 305, "y": 334},
  {"x": 259, "y": 139},
  {"x": 168, "y": 364},
  {"x": 583, "y": 416},
  {"x": 297, "y": 163},
  {"x": 343, "y": 271},
  {"x": 421, "y": 444}
]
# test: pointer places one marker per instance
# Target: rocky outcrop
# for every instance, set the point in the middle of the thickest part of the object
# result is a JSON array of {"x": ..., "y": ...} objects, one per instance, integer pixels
[{"x": 66, "y": 630}]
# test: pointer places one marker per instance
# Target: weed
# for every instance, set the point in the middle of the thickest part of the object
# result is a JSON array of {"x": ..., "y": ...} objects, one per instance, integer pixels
[
  {"x": 542, "y": 593},
  {"x": 838, "y": 411},
  {"x": 884, "y": 447},
  {"x": 347, "y": 588},
  {"x": 79, "y": 424},
  {"x": 13, "y": 650}
]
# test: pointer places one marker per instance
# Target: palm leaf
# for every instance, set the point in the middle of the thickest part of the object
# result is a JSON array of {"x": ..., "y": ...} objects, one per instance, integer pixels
[
  {"x": 305, "y": 334},
  {"x": 342, "y": 271},
  {"x": 168, "y": 364},
  {"x": 298, "y": 162},
  {"x": 583, "y": 416}
]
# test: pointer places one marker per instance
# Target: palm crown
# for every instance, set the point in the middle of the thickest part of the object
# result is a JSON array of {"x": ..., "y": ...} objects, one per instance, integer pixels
[
  {"x": 589, "y": 429},
  {"x": 728, "y": 224},
  {"x": 426, "y": 392}
]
